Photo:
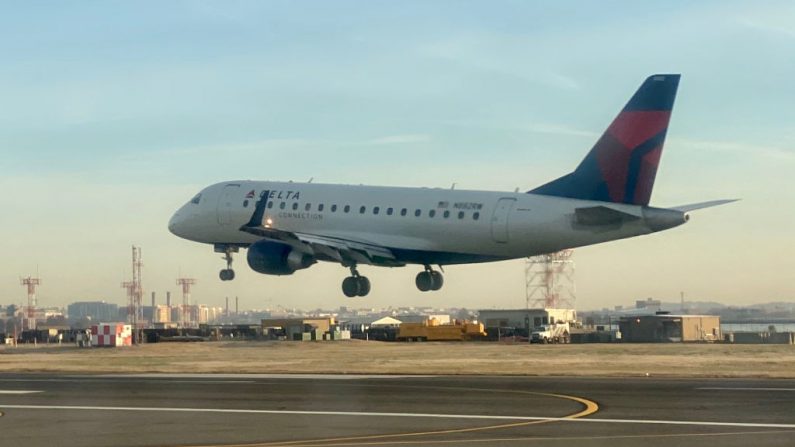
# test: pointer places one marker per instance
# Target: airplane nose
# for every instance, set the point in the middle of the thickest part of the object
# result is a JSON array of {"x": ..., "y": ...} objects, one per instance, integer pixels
[{"x": 173, "y": 223}]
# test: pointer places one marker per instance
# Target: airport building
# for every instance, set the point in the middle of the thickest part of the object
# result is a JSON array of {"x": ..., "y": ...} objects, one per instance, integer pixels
[
  {"x": 524, "y": 319},
  {"x": 667, "y": 328},
  {"x": 302, "y": 329},
  {"x": 93, "y": 310}
]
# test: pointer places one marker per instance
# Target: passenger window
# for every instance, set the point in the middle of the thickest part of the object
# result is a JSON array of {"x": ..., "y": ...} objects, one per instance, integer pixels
[
  {"x": 417, "y": 213},
  {"x": 389, "y": 211},
  {"x": 431, "y": 213},
  {"x": 476, "y": 216},
  {"x": 245, "y": 204},
  {"x": 376, "y": 210},
  {"x": 295, "y": 206},
  {"x": 270, "y": 204},
  {"x": 446, "y": 214},
  {"x": 362, "y": 209},
  {"x": 403, "y": 212},
  {"x": 347, "y": 208},
  {"x": 460, "y": 214},
  {"x": 282, "y": 205},
  {"x": 333, "y": 208},
  {"x": 320, "y": 207},
  {"x": 308, "y": 207}
]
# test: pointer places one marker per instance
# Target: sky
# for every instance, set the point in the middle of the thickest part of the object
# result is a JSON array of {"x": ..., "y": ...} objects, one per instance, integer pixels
[{"x": 113, "y": 114}]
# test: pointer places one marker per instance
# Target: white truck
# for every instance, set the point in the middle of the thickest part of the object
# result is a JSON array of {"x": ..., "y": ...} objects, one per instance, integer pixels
[{"x": 550, "y": 333}]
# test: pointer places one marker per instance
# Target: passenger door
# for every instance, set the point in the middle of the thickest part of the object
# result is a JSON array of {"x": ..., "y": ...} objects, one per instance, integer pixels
[
  {"x": 499, "y": 220},
  {"x": 226, "y": 201}
]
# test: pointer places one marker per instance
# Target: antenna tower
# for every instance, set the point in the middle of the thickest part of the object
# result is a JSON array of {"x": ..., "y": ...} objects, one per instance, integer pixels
[
  {"x": 186, "y": 316},
  {"x": 135, "y": 293},
  {"x": 549, "y": 281},
  {"x": 29, "y": 323}
]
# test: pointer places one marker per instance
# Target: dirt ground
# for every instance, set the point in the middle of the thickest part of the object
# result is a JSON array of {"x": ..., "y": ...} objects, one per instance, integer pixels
[{"x": 361, "y": 357}]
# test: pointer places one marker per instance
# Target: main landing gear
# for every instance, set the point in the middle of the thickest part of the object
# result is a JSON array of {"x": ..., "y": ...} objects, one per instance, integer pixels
[
  {"x": 227, "y": 274},
  {"x": 356, "y": 284},
  {"x": 430, "y": 279}
]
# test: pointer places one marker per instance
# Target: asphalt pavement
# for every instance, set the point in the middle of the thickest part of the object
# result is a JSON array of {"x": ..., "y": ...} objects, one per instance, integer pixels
[{"x": 348, "y": 410}]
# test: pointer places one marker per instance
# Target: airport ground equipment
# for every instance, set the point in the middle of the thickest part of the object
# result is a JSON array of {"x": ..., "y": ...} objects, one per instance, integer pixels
[
  {"x": 431, "y": 330},
  {"x": 551, "y": 333}
]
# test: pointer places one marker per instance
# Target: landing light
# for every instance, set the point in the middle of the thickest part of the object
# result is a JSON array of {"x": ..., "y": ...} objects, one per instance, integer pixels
[{"x": 268, "y": 222}]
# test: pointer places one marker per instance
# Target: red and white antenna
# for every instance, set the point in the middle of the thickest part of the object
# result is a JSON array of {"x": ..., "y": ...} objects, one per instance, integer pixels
[
  {"x": 29, "y": 322},
  {"x": 186, "y": 316},
  {"x": 135, "y": 293},
  {"x": 549, "y": 281}
]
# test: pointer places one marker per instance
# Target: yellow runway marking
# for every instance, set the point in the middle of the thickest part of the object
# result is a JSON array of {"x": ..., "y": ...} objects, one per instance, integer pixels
[{"x": 590, "y": 407}]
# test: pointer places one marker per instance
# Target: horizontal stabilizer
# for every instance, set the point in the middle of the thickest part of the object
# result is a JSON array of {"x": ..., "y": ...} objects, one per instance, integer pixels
[
  {"x": 601, "y": 215},
  {"x": 698, "y": 206}
]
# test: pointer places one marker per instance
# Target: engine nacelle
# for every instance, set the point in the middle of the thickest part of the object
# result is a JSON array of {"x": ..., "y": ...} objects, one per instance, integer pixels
[{"x": 275, "y": 258}]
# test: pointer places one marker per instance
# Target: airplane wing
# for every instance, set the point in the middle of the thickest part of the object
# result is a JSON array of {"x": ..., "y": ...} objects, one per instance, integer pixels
[{"x": 342, "y": 250}]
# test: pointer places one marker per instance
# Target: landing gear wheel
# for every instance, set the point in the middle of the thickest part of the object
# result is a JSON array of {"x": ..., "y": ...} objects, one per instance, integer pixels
[
  {"x": 226, "y": 274},
  {"x": 356, "y": 284},
  {"x": 424, "y": 281},
  {"x": 350, "y": 286},
  {"x": 429, "y": 280},
  {"x": 437, "y": 279},
  {"x": 364, "y": 285}
]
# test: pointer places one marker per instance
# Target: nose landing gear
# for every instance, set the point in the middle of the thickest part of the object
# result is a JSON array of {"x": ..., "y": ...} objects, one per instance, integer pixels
[
  {"x": 227, "y": 274},
  {"x": 355, "y": 285},
  {"x": 430, "y": 279}
]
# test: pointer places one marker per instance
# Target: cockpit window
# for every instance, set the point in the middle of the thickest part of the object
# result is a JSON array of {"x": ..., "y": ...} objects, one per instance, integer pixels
[{"x": 196, "y": 199}]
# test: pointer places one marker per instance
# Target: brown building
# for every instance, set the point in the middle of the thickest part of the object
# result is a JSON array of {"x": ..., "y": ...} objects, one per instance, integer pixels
[
  {"x": 666, "y": 328},
  {"x": 293, "y": 328}
]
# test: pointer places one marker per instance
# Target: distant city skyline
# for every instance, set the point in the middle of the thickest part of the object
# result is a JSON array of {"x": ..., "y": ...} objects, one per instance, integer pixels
[{"x": 115, "y": 114}]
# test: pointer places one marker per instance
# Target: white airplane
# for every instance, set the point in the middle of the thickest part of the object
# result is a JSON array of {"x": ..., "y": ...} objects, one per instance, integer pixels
[{"x": 290, "y": 226}]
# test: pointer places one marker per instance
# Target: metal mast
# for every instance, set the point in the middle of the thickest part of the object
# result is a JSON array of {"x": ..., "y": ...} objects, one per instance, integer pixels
[
  {"x": 29, "y": 323},
  {"x": 185, "y": 314},
  {"x": 549, "y": 281},
  {"x": 135, "y": 293}
]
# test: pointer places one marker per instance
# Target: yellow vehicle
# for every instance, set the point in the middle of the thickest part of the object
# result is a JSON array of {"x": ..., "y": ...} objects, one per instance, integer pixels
[{"x": 431, "y": 330}]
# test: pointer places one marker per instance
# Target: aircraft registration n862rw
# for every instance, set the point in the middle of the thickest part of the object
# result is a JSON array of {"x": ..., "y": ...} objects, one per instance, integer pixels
[{"x": 288, "y": 226}]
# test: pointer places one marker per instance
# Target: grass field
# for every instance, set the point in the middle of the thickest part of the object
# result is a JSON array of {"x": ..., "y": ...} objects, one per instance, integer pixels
[{"x": 684, "y": 360}]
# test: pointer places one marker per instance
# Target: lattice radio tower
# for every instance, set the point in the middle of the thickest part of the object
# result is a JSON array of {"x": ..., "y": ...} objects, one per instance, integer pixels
[
  {"x": 185, "y": 314},
  {"x": 549, "y": 281},
  {"x": 135, "y": 293},
  {"x": 29, "y": 322}
]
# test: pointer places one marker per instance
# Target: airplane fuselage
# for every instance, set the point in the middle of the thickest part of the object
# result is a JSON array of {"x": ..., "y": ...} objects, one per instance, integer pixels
[
  {"x": 290, "y": 226},
  {"x": 420, "y": 225}
]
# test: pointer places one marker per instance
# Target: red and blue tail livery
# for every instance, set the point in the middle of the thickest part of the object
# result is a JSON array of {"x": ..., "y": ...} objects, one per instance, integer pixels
[{"x": 622, "y": 165}]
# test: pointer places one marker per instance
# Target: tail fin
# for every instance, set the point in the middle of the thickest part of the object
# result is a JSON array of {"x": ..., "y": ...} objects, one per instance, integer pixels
[{"x": 622, "y": 165}]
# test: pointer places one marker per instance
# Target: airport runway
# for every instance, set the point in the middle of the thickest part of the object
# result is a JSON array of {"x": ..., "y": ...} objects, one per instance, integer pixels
[{"x": 279, "y": 410}]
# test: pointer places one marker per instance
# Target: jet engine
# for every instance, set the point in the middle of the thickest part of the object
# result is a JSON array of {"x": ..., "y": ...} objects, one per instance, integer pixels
[{"x": 276, "y": 258}]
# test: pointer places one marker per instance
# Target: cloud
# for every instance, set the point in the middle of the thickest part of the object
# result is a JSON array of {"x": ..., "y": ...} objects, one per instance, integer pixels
[
  {"x": 410, "y": 138},
  {"x": 758, "y": 150},
  {"x": 558, "y": 129},
  {"x": 490, "y": 54}
]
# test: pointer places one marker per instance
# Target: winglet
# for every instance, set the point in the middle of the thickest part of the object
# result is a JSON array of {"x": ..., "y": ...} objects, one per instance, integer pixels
[{"x": 259, "y": 210}]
